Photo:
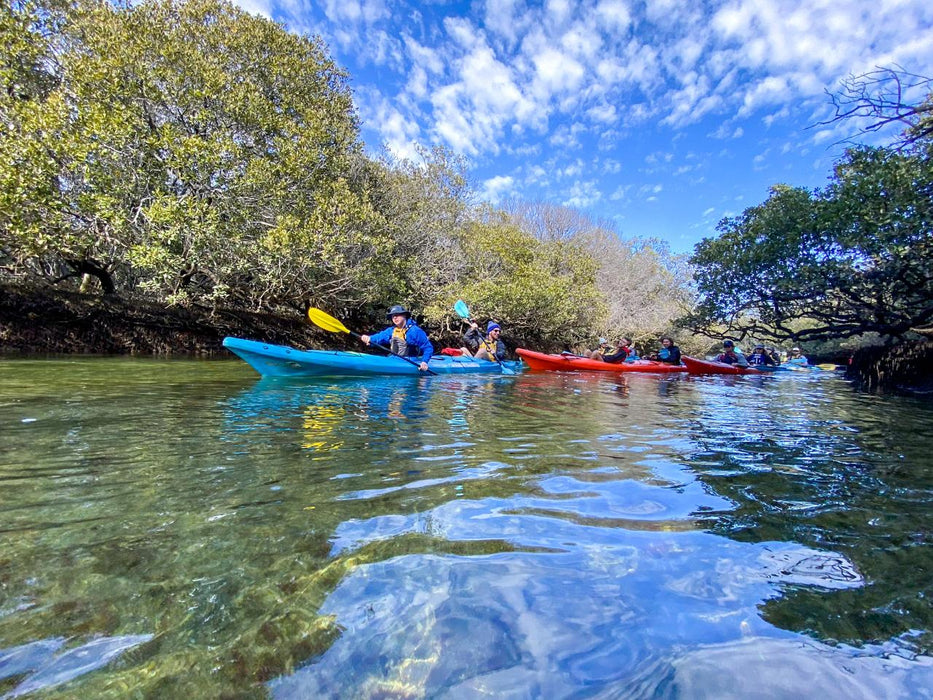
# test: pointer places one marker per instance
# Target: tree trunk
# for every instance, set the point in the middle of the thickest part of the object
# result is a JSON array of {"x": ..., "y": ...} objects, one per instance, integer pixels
[{"x": 95, "y": 269}]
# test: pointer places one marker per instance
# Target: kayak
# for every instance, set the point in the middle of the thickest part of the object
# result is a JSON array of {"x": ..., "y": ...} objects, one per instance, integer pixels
[
  {"x": 695, "y": 366},
  {"x": 572, "y": 363},
  {"x": 283, "y": 361}
]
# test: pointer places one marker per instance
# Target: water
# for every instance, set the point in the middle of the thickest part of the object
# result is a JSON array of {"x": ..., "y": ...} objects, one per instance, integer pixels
[{"x": 172, "y": 528}]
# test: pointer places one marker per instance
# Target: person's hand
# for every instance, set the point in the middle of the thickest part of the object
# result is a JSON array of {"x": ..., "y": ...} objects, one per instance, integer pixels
[
  {"x": 473, "y": 325},
  {"x": 423, "y": 366},
  {"x": 364, "y": 339}
]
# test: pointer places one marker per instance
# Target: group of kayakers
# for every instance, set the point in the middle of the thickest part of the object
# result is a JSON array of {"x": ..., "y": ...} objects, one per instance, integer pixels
[
  {"x": 624, "y": 351},
  {"x": 404, "y": 337},
  {"x": 760, "y": 356}
]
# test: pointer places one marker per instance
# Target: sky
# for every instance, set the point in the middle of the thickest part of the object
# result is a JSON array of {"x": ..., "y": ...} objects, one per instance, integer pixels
[{"x": 659, "y": 118}]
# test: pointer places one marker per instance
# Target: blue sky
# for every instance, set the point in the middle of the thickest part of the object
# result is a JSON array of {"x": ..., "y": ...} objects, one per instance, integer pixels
[{"x": 660, "y": 117}]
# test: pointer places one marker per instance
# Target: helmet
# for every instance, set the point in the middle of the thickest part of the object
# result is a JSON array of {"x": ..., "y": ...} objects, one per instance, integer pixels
[{"x": 398, "y": 309}]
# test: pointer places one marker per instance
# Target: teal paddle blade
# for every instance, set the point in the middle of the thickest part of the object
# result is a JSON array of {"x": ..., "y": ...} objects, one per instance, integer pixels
[{"x": 463, "y": 311}]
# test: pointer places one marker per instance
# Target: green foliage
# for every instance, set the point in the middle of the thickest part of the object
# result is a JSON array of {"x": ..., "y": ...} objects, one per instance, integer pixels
[
  {"x": 852, "y": 259},
  {"x": 181, "y": 141},
  {"x": 542, "y": 292}
]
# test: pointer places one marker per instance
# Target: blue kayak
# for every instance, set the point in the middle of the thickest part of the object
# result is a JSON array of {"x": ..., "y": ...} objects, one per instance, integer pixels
[{"x": 283, "y": 361}]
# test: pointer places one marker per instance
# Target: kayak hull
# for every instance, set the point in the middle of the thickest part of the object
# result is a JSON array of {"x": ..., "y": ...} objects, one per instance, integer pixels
[
  {"x": 572, "y": 363},
  {"x": 695, "y": 366},
  {"x": 283, "y": 361}
]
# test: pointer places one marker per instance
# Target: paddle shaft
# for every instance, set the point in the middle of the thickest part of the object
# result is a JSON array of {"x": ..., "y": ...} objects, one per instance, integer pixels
[{"x": 388, "y": 351}]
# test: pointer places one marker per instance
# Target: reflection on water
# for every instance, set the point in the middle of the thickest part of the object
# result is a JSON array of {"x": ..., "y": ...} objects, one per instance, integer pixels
[{"x": 177, "y": 527}]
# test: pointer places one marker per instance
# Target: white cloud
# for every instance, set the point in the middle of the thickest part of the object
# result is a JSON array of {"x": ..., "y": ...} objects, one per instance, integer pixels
[
  {"x": 423, "y": 57},
  {"x": 612, "y": 166},
  {"x": 603, "y": 113},
  {"x": 614, "y": 15},
  {"x": 728, "y": 131},
  {"x": 583, "y": 194},
  {"x": 495, "y": 188},
  {"x": 555, "y": 72},
  {"x": 505, "y": 19}
]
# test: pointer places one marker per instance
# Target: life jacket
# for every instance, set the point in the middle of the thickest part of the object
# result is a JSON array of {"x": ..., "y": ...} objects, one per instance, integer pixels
[
  {"x": 757, "y": 359},
  {"x": 729, "y": 358},
  {"x": 399, "y": 345},
  {"x": 489, "y": 345},
  {"x": 664, "y": 354}
]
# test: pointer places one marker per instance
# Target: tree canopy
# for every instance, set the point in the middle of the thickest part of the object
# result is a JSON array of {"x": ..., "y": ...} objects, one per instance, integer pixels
[{"x": 853, "y": 258}]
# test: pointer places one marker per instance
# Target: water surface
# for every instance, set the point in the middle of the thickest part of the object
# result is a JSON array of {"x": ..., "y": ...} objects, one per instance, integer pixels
[{"x": 172, "y": 527}]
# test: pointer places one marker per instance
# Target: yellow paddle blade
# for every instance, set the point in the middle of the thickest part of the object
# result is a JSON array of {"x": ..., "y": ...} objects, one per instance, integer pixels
[{"x": 324, "y": 320}]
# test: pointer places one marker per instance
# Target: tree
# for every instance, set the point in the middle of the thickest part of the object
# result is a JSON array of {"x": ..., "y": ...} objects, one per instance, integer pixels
[
  {"x": 855, "y": 258},
  {"x": 883, "y": 98},
  {"x": 643, "y": 287},
  {"x": 543, "y": 292},
  {"x": 192, "y": 149}
]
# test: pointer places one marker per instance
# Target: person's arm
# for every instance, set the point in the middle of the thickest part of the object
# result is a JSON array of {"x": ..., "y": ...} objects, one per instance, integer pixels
[
  {"x": 501, "y": 350},
  {"x": 422, "y": 342},
  {"x": 742, "y": 361},
  {"x": 380, "y": 338},
  {"x": 673, "y": 357},
  {"x": 472, "y": 338}
]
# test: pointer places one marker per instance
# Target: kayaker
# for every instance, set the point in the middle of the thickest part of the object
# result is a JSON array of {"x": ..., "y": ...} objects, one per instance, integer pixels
[
  {"x": 760, "y": 357},
  {"x": 489, "y": 347},
  {"x": 797, "y": 358},
  {"x": 775, "y": 355},
  {"x": 403, "y": 337},
  {"x": 624, "y": 352},
  {"x": 668, "y": 353},
  {"x": 729, "y": 356}
]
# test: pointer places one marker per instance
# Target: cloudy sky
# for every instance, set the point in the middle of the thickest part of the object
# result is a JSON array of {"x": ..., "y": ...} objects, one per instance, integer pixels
[{"x": 661, "y": 116}]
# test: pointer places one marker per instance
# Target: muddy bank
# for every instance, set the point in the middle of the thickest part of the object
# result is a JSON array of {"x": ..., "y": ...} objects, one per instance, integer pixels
[
  {"x": 42, "y": 321},
  {"x": 903, "y": 368}
]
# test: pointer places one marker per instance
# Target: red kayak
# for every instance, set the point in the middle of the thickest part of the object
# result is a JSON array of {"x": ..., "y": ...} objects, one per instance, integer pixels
[
  {"x": 695, "y": 366},
  {"x": 571, "y": 363}
]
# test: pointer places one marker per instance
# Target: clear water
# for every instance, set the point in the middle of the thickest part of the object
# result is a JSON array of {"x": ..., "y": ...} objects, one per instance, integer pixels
[{"x": 174, "y": 527}]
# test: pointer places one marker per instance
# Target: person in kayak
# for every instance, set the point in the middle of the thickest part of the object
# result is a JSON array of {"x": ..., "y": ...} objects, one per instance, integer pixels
[
  {"x": 484, "y": 347},
  {"x": 624, "y": 352},
  {"x": 760, "y": 357},
  {"x": 403, "y": 337},
  {"x": 729, "y": 356},
  {"x": 668, "y": 353},
  {"x": 797, "y": 358}
]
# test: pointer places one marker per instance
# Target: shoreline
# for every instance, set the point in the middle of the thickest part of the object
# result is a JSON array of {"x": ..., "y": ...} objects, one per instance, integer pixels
[{"x": 41, "y": 321}]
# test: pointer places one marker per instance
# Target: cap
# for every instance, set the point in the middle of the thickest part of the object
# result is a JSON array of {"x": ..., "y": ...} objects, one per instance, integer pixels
[
  {"x": 728, "y": 344},
  {"x": 493, "y": 326}
]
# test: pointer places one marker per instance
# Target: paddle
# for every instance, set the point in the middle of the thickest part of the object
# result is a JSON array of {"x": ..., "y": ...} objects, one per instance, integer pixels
[
  {"x": 324, "y": 320},
  {"x": 463, "y": 311}
]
